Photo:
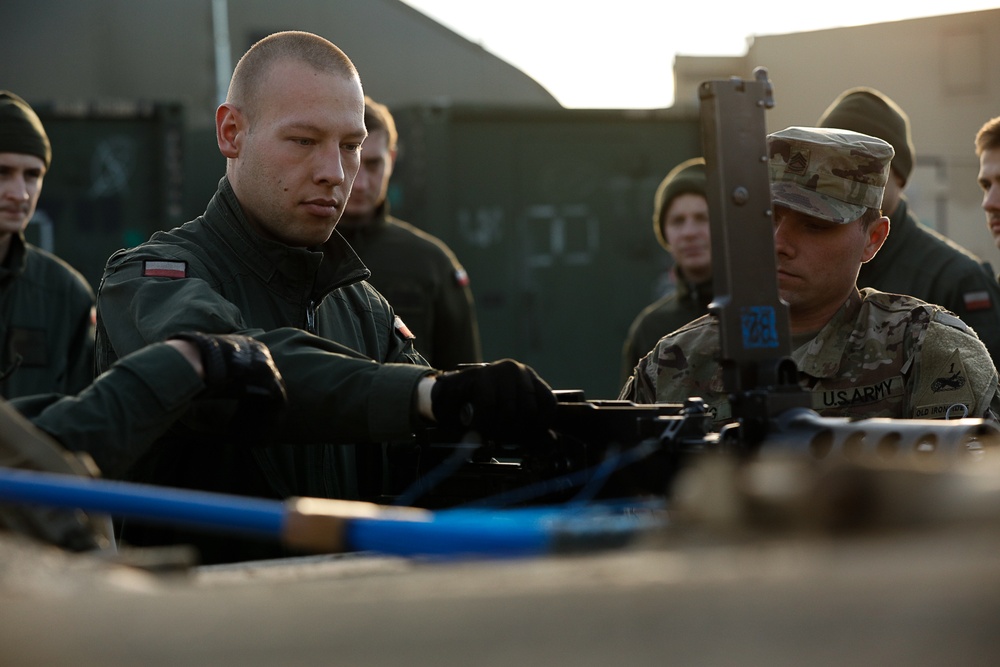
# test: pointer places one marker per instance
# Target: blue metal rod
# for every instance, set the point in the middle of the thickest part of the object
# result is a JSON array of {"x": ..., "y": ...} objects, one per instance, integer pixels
[
  {"x": 194, "y": 509},
  {"x": 447, "y": 533}
]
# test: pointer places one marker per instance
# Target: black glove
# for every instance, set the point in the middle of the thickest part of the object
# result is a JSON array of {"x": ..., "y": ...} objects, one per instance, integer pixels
[
  {"x": 241, "y": 368},
  {"x": 502, "y": 400}
]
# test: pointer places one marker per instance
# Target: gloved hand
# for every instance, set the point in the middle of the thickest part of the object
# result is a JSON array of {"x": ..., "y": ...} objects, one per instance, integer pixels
[
  {"x": 502, "y": 400},
  {"x": 241, "y": 368}
]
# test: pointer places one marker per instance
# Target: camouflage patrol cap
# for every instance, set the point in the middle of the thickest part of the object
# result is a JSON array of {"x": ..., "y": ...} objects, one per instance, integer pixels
[{"x": 828, "y": 173}]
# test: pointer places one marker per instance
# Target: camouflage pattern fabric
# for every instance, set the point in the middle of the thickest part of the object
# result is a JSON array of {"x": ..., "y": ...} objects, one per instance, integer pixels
[
  {"x": 831, "y": 174},
  {"x": 881, "y": 355}
]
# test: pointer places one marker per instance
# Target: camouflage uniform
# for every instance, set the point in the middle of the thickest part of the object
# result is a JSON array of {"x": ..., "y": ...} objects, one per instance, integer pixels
[{"x": 882, "y": 355}]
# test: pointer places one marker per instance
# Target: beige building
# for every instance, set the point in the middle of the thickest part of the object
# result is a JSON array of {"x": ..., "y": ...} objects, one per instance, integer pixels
[{"x": 940, "y": 70}]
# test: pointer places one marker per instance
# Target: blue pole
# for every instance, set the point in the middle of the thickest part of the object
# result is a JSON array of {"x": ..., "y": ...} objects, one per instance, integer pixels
[
  {"x": 195, "y": 509},
  {"x": 453, "y": 533}
]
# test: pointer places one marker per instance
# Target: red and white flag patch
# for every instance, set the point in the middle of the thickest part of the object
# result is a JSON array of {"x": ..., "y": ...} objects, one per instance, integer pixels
[
  {"x": 401, "y": 327},
  {"x": 977, "y": 300},
  {"x": 461, "y": 278},
  {"x": 155, "y": 268}
]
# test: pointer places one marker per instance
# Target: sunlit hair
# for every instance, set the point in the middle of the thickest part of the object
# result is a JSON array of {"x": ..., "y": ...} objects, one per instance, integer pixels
[
  {"x": 988, "y": 136},
  {"x": 315, "y": 51},
  {"x": 377, "y": 117}
]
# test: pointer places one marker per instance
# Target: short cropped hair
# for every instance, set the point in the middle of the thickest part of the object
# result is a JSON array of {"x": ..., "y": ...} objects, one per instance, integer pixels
[
  {"x": 869, "y": 216},
  {"x": 317, "y": 52},
  {"x": 377, "y": 117},
  {"x": 988, "y": 136}
]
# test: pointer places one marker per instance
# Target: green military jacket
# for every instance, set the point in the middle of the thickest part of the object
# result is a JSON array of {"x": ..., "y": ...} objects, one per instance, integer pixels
[
  {"x": 112, "y": 420},
  {"x": 881, "y": 355},
  {"x": 920, "y": 262},
  {"x": 125, "y": 409},
  {"x": 688, "y": 302},
  {"x": 330, "y": 334},
  {"x": 426, "y": 285},
  {"x": 46, "y": 324}
]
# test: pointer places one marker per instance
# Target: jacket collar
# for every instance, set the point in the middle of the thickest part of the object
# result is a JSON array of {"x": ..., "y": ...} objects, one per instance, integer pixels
[
  {"x": 325, "y": 268},
  {"x": 687, "y": 290}
]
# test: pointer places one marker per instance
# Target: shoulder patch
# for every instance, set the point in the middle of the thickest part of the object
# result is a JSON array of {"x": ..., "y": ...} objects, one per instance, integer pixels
[
  {"x": 158, "y": 268},
  {"x": 461, "y": 278},
  {"x": 401, "y": 328},
  {"x": 944, "y": 389},
  {"x": 944, "y": 317},
  {"x": 979, "y": 300}
]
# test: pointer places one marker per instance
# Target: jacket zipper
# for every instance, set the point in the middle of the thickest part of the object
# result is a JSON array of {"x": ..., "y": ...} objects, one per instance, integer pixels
[{"x": 311, "y": 317}]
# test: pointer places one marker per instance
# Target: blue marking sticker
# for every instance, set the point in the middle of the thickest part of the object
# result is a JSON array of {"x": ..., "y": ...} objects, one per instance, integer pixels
[{"x": 758, "y": 324}]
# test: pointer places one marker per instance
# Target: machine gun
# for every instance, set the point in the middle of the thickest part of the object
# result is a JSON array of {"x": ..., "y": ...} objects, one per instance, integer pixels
[{"x": 628, "y": 449}]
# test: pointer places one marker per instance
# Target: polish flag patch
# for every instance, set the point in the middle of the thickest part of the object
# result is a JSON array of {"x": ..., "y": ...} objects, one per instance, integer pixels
[
  {"x": 977, "y": 300},
  {"x": 401, "y": 327},
  {"x": 155, "y": 268},
  {"x": 461, "y": 278}
]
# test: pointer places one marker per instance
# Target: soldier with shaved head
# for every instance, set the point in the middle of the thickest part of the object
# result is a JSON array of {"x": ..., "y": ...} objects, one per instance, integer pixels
[{"x": 265, "y": 261}]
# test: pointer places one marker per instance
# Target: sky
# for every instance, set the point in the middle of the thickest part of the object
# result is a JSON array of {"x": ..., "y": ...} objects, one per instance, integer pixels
[{"x": 553, "y": 41}]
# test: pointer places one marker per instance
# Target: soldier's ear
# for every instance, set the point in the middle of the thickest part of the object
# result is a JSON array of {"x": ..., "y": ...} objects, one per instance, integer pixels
[
  {"x": 876, "y": 235},
  {"x": 229, "y": 128}
]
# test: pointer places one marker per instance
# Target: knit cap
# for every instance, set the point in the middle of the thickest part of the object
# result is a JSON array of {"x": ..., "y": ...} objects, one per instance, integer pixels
[
  {"x": 869, "y": 111},
  {"x": 20, "y": 129},
  {"x": 686, "y": 178}
]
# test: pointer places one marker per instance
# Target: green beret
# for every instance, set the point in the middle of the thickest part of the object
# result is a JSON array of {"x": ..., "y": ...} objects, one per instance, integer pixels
[
  {"x": 20, "y": 129},
  {"x": 871, "y": 112},
  {"x": 686, "y": 178}
]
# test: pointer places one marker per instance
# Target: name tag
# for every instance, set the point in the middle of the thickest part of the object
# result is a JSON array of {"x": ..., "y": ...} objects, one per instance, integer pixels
[{"x": 825, "y": 399}]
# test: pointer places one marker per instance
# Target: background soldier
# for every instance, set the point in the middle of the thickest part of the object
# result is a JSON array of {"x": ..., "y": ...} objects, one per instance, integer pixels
[
  {"x": 261, "y": 262},
  {"x": 988, "y": 151},
  {"x": 418, "y": 274},
  {"x": 680, "y": 223},
  {"x": 915, "y": 259},
  {"x": 48, "y": 307}
]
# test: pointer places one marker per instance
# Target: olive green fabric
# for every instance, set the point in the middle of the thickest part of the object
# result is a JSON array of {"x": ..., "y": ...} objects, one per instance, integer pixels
[
  {"x": 46, "y": 324},
  {"x": 330, "y": 333},
  {"x": 124, "y": 411},
  {"x": 101, "y": 430},
  {"x": 872, "y": 112},
  {"x": 882, "y": 355},
  {"x": 425, "y": 284},
  {"x": 21, "y": 131}
]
